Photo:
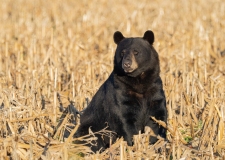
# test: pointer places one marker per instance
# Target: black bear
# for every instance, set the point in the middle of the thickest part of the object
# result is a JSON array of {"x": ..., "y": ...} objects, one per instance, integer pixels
[{"x": 130, "y": 96}]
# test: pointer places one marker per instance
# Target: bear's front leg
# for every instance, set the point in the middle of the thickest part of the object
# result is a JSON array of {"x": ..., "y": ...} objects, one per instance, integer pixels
[
  {"x": 159, "y": 111},
  {"x": 123, "y": 124}
]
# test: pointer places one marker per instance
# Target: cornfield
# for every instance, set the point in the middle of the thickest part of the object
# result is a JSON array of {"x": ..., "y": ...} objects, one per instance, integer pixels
[{"x": 56, "y": 54}]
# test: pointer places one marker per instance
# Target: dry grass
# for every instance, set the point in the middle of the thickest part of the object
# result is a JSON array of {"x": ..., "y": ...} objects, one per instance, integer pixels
[{"x": 66, "y": 47}]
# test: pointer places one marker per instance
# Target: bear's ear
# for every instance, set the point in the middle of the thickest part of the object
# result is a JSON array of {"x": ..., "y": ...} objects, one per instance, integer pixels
[
  {"x": 118, "y": 36},
  {"x": 149, "y": 36}
]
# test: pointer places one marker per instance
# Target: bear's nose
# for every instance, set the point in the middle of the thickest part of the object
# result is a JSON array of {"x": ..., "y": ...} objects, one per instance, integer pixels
[{"x": 126, "y": 64}]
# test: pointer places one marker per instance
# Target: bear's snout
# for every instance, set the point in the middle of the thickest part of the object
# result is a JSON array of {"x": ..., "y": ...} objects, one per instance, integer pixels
[
  {"x": 129, "y": 63},
  {"x": 126, "y": 64}
]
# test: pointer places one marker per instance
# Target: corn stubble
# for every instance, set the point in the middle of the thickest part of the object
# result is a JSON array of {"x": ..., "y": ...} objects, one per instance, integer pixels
[{"x": 57, "y": 53}]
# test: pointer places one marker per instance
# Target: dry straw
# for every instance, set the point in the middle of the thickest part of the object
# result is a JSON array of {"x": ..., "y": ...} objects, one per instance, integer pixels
[{"x": 65, "y": 48}]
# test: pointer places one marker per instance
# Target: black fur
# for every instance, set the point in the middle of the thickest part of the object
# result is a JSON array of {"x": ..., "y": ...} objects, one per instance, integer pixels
[{"x": 126, "y": 100}]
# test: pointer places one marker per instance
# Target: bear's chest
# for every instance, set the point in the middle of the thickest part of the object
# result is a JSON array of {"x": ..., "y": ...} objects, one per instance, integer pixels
[
  {"x": 136, "y": 101},
  {"x": 135, "y": 109}
]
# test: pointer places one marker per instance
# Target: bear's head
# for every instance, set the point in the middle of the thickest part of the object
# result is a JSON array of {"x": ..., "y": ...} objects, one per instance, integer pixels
[{"x": 135, "y": 56}]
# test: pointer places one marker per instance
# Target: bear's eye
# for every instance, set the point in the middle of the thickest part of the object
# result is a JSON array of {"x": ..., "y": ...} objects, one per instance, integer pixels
[
  {"x": 135, "y": 52},
  {"x": 122, "y": 53}
]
